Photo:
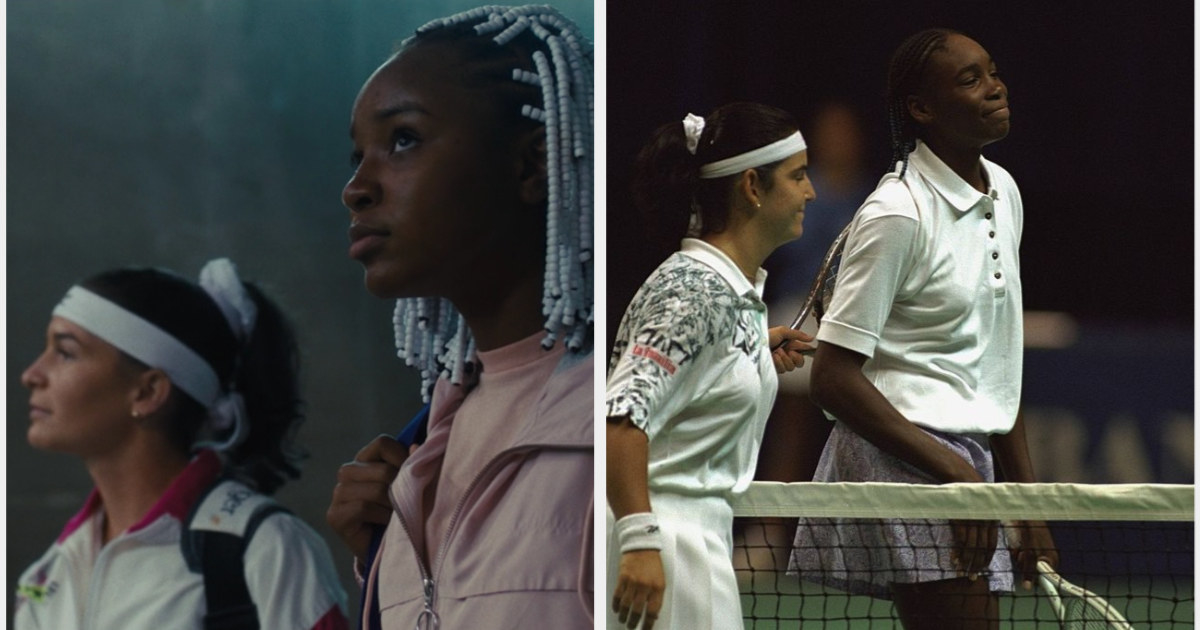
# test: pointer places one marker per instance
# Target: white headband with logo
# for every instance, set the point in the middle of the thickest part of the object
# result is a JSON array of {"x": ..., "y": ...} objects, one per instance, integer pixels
[
  {"x": 143, "y": 341},
  {"x": 773, "y": 152}
]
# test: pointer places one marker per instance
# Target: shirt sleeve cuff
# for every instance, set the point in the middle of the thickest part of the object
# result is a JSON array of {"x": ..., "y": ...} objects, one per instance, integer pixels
[{"x": 848, "y": 337}]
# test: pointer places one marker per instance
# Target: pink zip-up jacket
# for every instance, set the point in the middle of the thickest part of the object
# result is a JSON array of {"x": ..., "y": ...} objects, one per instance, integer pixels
[{"x": 518, "y": 549}]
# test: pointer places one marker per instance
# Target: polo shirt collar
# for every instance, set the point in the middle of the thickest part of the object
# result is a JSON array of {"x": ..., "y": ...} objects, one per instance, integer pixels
[
  {"x": 955, "y": 189},
  {"x": 721, "y": 263}
]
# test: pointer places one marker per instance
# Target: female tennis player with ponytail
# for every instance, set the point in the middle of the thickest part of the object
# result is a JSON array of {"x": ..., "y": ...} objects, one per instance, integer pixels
[
  {"x": 920, "y": 350},
  {"x": 182, "y": 400},
  {"x": 470, "y": 205},
  {"x": 692, "y": 378}
]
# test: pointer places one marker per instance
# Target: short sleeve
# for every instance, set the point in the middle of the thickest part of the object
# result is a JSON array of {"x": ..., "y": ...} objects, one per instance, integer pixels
[
  {"x": 665, "y": 330},
  {"x": 877, "y": 258},
  {"x": 291, "y": 577}
]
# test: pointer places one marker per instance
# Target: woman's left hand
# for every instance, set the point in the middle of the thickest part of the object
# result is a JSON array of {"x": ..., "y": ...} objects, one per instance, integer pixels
[
  {"x": 1033, "y": 543},
  {"x": 791, "y": 355}
]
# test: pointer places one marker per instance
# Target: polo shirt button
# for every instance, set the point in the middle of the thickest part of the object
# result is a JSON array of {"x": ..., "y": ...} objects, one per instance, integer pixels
[
  {"x": 995, "y": 255},
  {"x": 991, "y": 235},
  {"x": 997, "y": 275},
  {"x": 988, "y": 215}
]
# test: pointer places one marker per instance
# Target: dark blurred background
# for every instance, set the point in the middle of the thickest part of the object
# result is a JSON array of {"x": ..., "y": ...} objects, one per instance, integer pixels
[
  {"x": 166, "y": 133},
  {"x": 1101, "y": 147}
]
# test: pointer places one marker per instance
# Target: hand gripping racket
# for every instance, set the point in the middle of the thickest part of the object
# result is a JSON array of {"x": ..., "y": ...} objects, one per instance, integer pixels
[
  {"x": 821, "y": 291},
  {"x": 1077, "y": 607}
]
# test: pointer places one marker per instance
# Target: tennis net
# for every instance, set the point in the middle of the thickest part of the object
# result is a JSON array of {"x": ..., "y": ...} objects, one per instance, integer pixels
[{"x": 1131, "y": 546}]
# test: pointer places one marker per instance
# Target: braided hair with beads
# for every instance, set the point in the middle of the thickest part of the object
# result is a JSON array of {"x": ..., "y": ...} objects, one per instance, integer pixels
[
  {"x": 538, "y": 66},
  {"x": 906, "y": 73}
]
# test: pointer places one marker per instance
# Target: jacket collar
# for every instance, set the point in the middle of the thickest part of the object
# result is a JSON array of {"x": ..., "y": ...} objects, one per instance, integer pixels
[
  {"x": 947, "y": 183},
  {"x": 562, "y": 417},
  {"x": 176, "y": 501}
]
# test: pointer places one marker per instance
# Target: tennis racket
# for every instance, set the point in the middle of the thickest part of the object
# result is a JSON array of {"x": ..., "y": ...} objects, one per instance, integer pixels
[
  {"x": 1078, "y": 608},
  {"x": 821, "y": 291}
]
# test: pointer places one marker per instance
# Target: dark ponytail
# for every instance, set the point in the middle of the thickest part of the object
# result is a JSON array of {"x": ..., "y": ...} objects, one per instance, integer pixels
[
  {"x": 268, "y": 377},
  {"x": 666, "y": 181}
]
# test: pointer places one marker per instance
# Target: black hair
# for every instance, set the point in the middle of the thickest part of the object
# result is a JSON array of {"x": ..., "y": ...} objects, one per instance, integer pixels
[
  {"x": 536, "y": 67},
  {"x": 666, "y": 177},
  {"x": 264, "y": 370},
  {"x": 906, "y": 76},
  {"x": 489, "y": 67}
]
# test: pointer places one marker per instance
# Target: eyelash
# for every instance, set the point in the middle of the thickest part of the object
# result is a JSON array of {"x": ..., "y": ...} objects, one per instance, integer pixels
[
  {"x": 403, "y": 134},
  {"x": 399, "y": 135}
]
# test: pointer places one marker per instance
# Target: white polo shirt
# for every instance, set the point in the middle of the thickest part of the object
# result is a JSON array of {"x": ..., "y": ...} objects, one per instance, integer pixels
[
  {"x": 690, "y": 367},
  {"x": 930, "y": 291}
]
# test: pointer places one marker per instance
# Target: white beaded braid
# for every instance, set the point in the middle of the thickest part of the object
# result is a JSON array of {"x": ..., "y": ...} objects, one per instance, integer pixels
[{"x": 430, "y": 334}]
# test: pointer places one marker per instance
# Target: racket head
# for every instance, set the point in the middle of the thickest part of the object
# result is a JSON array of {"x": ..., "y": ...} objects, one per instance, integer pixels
[{"x": 1077, "y": 607}]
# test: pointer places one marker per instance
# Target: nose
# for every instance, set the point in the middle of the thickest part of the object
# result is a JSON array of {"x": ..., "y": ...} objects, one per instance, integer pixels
[
  {"x": 999, "y": 89},
  {"x": 33, "y": 376},
  {"x": 362, "y": 191}
]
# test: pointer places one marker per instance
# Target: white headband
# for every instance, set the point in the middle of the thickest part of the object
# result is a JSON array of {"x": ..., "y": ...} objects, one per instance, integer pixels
[
  {"x": 143, "y": 341},
  {"x": 773, "y": 152}
]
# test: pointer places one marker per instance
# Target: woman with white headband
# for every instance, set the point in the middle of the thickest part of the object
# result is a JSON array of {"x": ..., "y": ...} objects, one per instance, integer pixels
[
  {"x": 182, "y": 400},
  {"x": 691, "y": 378}
]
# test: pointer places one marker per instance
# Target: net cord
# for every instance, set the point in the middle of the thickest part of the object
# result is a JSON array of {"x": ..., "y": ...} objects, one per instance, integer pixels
[{"x": 999, "y": 501}]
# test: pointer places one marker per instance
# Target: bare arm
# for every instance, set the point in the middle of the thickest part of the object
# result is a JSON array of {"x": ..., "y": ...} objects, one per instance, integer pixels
[
  {"x": 839, "y": 386},
  {"x": 640, "y": 579},
  {"x": 627, "y": 456},
  {"x": 1012, "y": 456}
]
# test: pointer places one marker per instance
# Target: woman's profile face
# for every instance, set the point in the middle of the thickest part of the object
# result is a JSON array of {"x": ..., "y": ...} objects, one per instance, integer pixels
[
  {"x": 433, "y": 181},
  {"x": 81, "y": 392},
  {"x": 783, "y": 205}
]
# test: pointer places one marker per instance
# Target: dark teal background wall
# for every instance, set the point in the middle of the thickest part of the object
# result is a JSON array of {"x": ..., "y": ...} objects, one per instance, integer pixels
[{"x": 168, "y": 132}]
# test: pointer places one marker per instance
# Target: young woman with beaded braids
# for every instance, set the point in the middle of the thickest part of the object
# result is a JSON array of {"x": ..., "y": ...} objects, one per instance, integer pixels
[
  {"x": 920, "y": 351},
  {"x": 691, "y": 378},
  {"x": 471, "y": 204},
  {"x": 182, "y": 400}
]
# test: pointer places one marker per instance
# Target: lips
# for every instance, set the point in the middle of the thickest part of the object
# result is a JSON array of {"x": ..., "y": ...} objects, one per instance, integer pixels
[
  {"x": 36, "y": 412},
  {"x": 364, "y": 239},
  {"x": 999, "y": 111}
]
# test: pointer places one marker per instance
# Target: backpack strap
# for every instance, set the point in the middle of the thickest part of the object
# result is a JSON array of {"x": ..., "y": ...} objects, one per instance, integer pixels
[
  {"x": 218, "y": 531},
  {"x": 414, "y": 432}
]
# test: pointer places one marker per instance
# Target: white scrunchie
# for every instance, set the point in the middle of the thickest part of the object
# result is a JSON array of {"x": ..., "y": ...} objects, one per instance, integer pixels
[
  {"x": 693, "y": 126},
  {"x": 229, "y": 411},
  {"x": 220, "y": 280},
  {"x": 638, "y": 531}
]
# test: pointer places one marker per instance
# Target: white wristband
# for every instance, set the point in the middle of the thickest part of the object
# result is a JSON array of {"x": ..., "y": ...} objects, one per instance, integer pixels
[{"x": 638, "y": 531}]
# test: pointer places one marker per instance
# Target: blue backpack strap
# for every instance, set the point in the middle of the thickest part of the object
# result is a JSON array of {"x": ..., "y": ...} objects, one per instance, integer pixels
[
  {"x": 219, "y": 528},
  {"x": 413, "y": 433}
]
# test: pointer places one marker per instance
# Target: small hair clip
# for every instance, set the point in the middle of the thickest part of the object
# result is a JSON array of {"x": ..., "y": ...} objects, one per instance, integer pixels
[{"x": 693, "y": 126}]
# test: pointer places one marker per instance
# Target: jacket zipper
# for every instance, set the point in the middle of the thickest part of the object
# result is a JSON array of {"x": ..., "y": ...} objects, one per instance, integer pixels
[
  {"x": 429, "y": 616},
  {"x": 428, "y": 619}
]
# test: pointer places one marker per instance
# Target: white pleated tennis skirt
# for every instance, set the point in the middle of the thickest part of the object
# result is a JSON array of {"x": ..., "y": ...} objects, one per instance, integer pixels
[{"x": 697, "y": 555}]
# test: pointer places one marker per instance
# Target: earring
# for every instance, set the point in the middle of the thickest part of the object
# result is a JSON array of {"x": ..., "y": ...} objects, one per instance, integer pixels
[{"x": 136, "y": 414}]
